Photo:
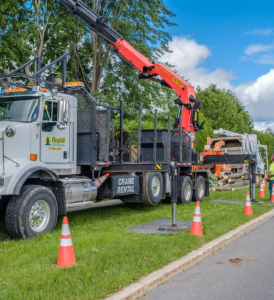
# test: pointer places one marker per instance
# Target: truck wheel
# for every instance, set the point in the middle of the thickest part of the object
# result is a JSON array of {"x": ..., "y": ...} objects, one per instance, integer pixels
[
  {"x": 33, "y": 212},
  {"x": 199, "y": 191},
  {"x": 3, "y": 204},
  {"x": 152, "y": 187},
  {"x": 186, "y": 190}
]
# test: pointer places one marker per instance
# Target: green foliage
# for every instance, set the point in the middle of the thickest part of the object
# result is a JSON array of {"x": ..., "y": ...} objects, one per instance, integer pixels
[
  {"x": 14, "y": 47},
  {"x": 267, "y": 138},
  {"x": 212, "y": 179}
]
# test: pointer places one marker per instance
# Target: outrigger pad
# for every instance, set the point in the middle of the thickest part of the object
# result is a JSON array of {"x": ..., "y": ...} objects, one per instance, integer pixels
[{"x": 153, "y": 226}]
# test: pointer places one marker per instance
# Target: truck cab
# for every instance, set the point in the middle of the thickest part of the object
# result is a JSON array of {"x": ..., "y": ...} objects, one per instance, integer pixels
[{"x": 37, "y": 132}]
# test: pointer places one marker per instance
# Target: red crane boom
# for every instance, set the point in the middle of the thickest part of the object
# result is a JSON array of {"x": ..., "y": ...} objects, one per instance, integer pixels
[{"x": 188, "y": 106}]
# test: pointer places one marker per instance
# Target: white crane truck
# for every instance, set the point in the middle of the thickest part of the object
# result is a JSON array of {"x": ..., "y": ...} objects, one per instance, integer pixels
[{"x": 58, "y": 152}]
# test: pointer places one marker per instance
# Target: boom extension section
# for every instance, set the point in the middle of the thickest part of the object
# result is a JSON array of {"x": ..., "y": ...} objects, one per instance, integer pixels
[{"x": 148, "y": 69}]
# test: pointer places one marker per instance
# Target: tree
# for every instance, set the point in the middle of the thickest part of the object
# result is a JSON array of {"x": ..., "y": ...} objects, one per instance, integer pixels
[
  {"x": 14, "y": 47},
  {"x": 267, "y": 138}
]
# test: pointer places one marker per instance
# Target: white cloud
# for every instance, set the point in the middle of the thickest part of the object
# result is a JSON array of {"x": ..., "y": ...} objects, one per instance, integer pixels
[
  {"x": 187, "y": 56},
  {"x": 260, "y": 31},
  {"x": 257, "y": 96},
  {"x": 265, "y": 59},
  {"x": 257, "y": 48},
  {"x": 262, "y": 126}
]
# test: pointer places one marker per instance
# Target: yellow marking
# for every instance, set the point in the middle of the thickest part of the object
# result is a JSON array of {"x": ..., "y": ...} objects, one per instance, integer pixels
[
  {"x": 166, "y": 72},
  {"x": 246, "y": 161},
  {"x": 159, "y": 167},
  {"x": 177, "y": 82}
]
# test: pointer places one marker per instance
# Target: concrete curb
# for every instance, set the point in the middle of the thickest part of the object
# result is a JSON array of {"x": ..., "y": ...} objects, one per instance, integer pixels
[{"x": 138, "y": 289}]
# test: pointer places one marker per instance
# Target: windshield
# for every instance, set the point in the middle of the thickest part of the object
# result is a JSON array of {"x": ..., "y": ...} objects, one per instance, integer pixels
[{"x": 19, "y": 110}]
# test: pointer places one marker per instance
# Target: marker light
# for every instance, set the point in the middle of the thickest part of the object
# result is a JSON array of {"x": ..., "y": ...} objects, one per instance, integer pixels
[
  {"x": 75, "y": 83},
  {"x": 33, "y": 157}
]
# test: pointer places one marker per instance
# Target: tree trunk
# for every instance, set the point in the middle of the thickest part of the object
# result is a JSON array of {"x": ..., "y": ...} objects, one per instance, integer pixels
[
  {"x": 241, "y": 183},
  {"x": 234, "y": 176},
  {"x": 223, "y": 188},
  {"x": 6, "y": 71},
  {"x": 27, "y": 70},
  {"x": 221, "y": 182}
]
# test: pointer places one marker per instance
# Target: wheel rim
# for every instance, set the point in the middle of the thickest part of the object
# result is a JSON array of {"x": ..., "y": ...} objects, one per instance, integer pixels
[
  {"x": 39, "y": 215},
  {"x": 155, "y": 186},
  {"x": 188, "y": 191},
  {"x": 200, "y": 190}
]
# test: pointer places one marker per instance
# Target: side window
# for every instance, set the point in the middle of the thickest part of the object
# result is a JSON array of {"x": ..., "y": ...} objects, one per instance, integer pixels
[{"x": 50, "y": 114}]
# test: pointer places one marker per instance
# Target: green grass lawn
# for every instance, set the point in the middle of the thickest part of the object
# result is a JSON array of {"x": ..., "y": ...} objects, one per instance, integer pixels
[{"x": 109, "y": 257}]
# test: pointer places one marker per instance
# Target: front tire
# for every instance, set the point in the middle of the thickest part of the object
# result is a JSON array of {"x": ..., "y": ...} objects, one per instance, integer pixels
[
  {"x": 199, "y": 192},
  {"x": 33, "y": 212},
  {"x": 153, "y": 188}
]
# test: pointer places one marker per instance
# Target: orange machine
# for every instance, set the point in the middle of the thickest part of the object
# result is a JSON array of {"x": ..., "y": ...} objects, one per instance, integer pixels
[{"x": 216, "y": 169}]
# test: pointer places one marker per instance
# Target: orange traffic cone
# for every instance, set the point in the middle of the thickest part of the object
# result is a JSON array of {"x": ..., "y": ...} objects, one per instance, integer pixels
[
  {"x": 100, "y": 180},
  {"x": 248, "y": 208},
  {"x": 272, "y": 194},
  {"x": 66, "y": 256},
  {"x": 261, "y": 192},
  {"x": 196, "y": 227},
  {"x": 264, "y": 184},
  {"x": 257, "y": 179}
]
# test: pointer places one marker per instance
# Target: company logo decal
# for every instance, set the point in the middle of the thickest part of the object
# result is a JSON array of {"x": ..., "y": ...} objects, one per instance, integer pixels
[
  {"x": 48, "y": 141},
  {"x": 56, "y": 143}
]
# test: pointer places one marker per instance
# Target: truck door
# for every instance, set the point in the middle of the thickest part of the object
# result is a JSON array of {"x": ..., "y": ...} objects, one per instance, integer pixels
[{"x": 54, "y": 141}]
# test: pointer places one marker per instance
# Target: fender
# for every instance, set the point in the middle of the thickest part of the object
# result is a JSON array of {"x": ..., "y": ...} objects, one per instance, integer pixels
[{"x": 30, "y": 172}]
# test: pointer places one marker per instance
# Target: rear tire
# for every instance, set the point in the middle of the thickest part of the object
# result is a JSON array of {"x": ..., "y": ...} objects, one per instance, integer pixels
[
  {"x": 199, "y": 191},
  {"x": 33, "y": 212},
  {"x": 186, "y": 190},
  {"x": 153, "y": 188}
]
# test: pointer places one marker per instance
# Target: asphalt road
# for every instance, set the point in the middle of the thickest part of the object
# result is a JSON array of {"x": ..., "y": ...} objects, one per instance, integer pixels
[{"x": 242, "y": 270}]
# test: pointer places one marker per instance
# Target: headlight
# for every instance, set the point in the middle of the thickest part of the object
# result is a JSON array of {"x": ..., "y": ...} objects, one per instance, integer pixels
[{"x": 10, "y": 131}]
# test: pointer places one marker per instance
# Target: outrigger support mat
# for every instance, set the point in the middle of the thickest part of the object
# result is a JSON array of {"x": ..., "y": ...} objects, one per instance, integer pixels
[
  {"x": 154, "y": 227},
  {"x": 240, "y": 202}
]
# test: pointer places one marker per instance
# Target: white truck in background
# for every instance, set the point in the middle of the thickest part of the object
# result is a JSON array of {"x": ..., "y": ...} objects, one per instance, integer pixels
[{"x": 236, "y": 143}]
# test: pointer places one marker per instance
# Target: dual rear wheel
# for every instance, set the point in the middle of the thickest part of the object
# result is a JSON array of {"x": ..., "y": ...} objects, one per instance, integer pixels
[
  {"x": 153, "y": 189},
  {"x": 187, "y": 193}
]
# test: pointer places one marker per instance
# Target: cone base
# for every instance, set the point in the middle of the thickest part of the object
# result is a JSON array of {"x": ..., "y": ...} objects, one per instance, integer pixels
[
  {"x": 196, "y": 229},
  {"x": 248, "y": 210},
  {"x": 261, "y": 195},
  {"x": 66, "y": 257},
  {"x": 272, "y": 200}
]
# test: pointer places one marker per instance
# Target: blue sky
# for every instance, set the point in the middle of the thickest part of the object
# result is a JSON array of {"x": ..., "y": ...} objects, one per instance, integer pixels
[{"x": 230, "y": 42}]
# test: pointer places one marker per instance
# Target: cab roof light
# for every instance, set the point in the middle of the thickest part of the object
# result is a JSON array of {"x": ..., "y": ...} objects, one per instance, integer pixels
[{"x": 74, "y": 83}]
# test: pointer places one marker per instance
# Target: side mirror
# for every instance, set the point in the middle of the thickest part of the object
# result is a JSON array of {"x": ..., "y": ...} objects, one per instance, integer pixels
[{"x": 63, "y": 112}]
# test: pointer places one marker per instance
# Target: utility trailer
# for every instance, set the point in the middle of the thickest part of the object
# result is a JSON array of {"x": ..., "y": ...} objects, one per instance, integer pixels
[{"x": 236, "y": 143}]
